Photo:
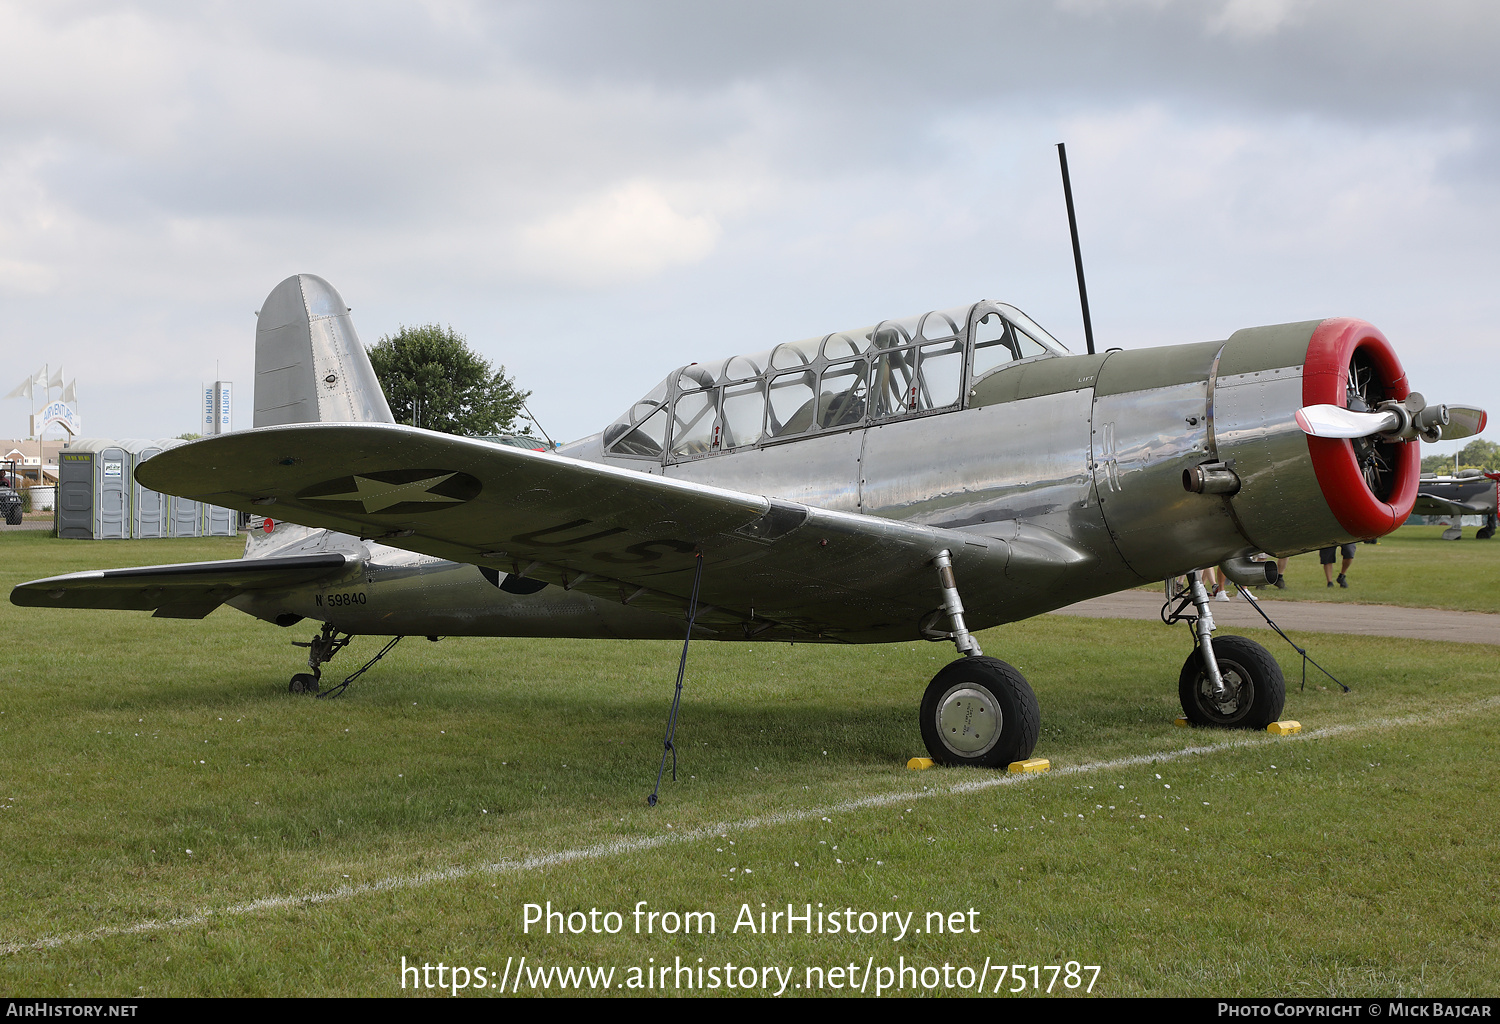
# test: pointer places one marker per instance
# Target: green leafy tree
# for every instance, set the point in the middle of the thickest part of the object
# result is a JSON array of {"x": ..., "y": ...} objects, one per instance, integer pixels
[
  {"x": 432, "y": 379},
  {"x": 1477, "y": 454}
]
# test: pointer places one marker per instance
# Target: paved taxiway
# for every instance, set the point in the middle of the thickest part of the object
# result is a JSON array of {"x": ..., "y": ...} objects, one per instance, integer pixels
[{"x": 1311, "y": 617}]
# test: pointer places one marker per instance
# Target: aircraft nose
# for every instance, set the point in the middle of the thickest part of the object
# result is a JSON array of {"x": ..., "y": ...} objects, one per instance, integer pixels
[{"x": 1368, "y": 480}]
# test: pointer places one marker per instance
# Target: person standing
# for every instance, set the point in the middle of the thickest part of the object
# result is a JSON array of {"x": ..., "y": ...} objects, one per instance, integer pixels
[{"x": 1329, "y": 555}]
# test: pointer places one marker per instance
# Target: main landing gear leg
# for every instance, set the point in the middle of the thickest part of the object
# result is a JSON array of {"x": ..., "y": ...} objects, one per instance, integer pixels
[
  {"x": 977, "y": 710},
  {"x": 1231, "y": 682},
  {"x": 320, "y": 650}
]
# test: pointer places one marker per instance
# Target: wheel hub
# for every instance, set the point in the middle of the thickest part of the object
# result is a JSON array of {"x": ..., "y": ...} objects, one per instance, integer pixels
[
  {"x": 969, "y": 720},
  {"x": 1236, "y": 689}
]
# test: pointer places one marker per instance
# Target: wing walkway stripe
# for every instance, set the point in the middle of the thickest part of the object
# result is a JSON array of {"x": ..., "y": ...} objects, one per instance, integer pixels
[{"x": 619, "y": 847}]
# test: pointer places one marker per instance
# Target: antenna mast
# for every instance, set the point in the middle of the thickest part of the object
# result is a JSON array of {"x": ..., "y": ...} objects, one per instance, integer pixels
[{"x": 1083, "y": 292}]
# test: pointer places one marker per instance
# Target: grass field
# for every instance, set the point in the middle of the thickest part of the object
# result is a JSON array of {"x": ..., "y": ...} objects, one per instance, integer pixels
[
  {"x": 458, "y": 782},
  {"x": 1414, "y": 567}
]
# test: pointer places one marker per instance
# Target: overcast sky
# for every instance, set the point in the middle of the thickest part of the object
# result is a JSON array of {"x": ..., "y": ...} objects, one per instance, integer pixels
[{"x": 594, "y": 193}]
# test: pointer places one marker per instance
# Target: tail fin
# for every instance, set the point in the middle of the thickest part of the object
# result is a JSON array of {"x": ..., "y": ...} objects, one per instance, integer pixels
[{"x": 309, "y": 364}]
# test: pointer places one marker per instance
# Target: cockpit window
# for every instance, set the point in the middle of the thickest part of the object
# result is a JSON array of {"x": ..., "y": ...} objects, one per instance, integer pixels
[
  {"x": 1004, "y": 334},
  {"x": 846, "y": 344},
  {"x": 795, "y": 353},
  {"x": 744, "y": 413},
  {"x": 791, "y": 403},
  {"x": 648, "y": 439},
  {"x": 941, "y": 368},
  {"x": 642, "y": 431},
  {"x": 898, "y": 368},
  {"x": 841, "y": 398},
  {"x": 695, "y": 422}
]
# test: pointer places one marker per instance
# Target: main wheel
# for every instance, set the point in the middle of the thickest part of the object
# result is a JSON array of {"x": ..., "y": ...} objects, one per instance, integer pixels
[
  {"x": 303, "y": 683},
  {"x": 979, "y": 711},
  {"x": 13, "y": 515},
  {"x": 1255, "y": 691}
]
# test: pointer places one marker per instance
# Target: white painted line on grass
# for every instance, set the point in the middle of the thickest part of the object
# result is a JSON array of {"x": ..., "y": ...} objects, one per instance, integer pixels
[{"x": 600, "y": 851}]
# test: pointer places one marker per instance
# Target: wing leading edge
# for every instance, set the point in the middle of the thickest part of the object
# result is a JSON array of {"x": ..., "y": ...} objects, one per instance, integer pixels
[{"x": 620, "y": 535}]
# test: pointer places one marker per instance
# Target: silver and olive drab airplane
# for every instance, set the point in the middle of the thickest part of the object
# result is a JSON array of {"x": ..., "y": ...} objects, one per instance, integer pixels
[{"x": 917, "y": 479}]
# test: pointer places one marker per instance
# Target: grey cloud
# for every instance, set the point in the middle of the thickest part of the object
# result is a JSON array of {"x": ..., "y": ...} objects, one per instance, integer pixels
[{"x": 827, "y": 164}]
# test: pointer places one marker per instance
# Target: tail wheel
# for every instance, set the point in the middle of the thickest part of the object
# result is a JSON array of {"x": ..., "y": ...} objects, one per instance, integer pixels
[
  {"x": 303, "y": 683},
  {"x": 981, "y": 712},
  {"x": 1254, "y": 690}
]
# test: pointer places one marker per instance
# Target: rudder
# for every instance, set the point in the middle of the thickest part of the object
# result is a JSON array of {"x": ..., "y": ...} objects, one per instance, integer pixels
[{"x": 309, "y": 364}]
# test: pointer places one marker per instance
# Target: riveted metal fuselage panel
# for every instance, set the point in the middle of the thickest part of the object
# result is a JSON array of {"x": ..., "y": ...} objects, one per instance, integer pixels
[
  {"x": 1280, "y": 504},
  {"x": 821, "y": 470},
  {"x": 1143, "y": 440},
  {"x": 1020, "y": 460},
  {"x": 407, "y": 593}
]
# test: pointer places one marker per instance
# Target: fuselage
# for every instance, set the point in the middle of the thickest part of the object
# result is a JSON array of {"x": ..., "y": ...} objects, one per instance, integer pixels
[{"x": 976, "y": 425}]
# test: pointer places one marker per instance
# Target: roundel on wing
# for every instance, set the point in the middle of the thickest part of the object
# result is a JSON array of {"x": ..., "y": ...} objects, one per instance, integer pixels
[{"x": 392, "y": 492}]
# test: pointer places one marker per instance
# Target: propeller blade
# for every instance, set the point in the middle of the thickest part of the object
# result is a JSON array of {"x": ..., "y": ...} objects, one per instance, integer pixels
[
  {"x": 1464, "y": 421},
  {"x": 1336, "y": 421}
]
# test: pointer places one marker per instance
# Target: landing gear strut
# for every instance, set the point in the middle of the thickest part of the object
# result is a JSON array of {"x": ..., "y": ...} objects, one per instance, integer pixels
[
  {"x": 978, "y": 710},
  {"x": 320, "y": 650},
  {"x": 1229, "y": 682}
]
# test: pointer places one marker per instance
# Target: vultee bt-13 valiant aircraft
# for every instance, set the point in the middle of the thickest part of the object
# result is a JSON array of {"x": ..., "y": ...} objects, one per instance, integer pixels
[{"x": 846, "y": 488}]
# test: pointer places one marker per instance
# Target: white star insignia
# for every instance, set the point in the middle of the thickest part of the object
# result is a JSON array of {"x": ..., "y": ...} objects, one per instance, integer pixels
[{"x": 376, "y": 495}]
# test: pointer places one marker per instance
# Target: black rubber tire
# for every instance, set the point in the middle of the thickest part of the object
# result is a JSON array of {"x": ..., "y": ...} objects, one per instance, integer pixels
[
  {"x": 13, "y": 515},
  {"x": 1485, "y": 533},
  {"x": 996, "y": 688},
  {"x": 303, "y": 683},
  {"x": 1250, "y": 671}
]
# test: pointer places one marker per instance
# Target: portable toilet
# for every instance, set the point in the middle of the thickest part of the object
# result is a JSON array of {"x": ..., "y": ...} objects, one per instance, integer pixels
[
  {"x": 94, "y": 485},
  {"x": 187, "y": 517},
  {"x": 220, "y": 522},
  {"x": 150, "y": 511}
]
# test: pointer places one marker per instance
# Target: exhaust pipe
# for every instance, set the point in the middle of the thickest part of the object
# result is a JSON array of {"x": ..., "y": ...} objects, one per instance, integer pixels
[
  {"x": 1211, "y": 478},
  {"x": 1246, "y": 573}
]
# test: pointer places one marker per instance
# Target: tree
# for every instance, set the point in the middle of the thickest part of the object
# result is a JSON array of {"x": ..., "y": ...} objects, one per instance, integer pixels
[
  {"x": 433, "y": 379},
  {"x": 1477, "y": 454}
]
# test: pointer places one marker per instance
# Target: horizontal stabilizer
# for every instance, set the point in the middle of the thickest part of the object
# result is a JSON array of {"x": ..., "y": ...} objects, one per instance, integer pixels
[{"x": 187, "y": 590}]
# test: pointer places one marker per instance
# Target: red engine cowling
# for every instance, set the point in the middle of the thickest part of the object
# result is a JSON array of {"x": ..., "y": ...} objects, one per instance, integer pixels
[
  {"x": 1370, "y": 485},
  {"x": 1299, "y": 492}
]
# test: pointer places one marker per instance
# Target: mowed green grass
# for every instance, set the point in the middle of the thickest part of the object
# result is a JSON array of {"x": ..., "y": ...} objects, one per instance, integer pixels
[
  {"x": 1357, "y": 863},
  {"x": 1413, "y": 567}
]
